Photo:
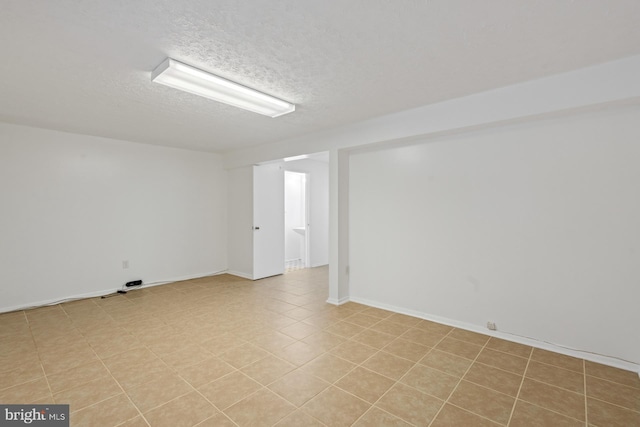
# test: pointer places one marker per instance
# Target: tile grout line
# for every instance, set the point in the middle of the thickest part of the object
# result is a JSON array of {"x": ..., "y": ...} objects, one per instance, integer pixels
[
  {"x": 317, "y": 315},
  {"x": 473, "y": 413},
  {"x": 397, "y": 381},
  {"x": 524, "y": 375},
  {"x": 616, "y": 405},
  {"x": 460, "y": 380},
  {"x": 552, "y": 410},
  {"x": 35, "y": 344},
  {"x": 612, "y": 381},
  {"x": 265, "y": 387},
  {"x": 143, "y": 345},
  {"x": 498, "y": 368},
  {"x": 415, "y": 363},
  {"x": 299, "y": 368},
  {"x": 556, "y": 366},
  {"x": 121, "y": 388},
  {"x": 174, "y": 372},
  {"x": 101, "y": 361},
  {"x": 359, "y": 365},
  {"x": 203, "y": 396},
  {"x": 443, "y": 351},
  {"x": 222, "y": 411},
  {"x": 372, "y": 405}
]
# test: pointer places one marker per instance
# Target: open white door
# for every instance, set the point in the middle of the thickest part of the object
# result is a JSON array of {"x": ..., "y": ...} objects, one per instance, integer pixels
[{"x": 268, "y": 221}]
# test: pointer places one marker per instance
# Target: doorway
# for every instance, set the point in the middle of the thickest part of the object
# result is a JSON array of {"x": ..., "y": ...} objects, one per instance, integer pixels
[{"x": 296, "y": 221}]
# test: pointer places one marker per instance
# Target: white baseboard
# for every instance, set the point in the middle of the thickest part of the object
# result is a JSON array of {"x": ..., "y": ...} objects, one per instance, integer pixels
[
  {"x": 240, "y": 274},
  {"x": 319, "y": 265},
  {"x": 55, "y": 301},
  {"x": 69, "y": 298},
  {"x": 605, "y": 360},
  {"x": 340, "y": 301}
]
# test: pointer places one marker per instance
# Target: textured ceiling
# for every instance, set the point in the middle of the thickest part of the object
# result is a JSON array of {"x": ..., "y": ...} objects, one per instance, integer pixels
[{"x": 84, "y": 66}]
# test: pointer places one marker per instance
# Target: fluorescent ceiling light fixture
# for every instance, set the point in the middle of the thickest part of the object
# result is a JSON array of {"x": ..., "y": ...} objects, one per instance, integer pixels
[
  {"x": 303, "y": 156},
  {"x": 186, "y": 78}
]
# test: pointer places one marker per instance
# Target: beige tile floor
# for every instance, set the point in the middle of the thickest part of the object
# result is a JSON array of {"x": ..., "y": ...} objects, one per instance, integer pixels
[{"x": 224, "y": 351}]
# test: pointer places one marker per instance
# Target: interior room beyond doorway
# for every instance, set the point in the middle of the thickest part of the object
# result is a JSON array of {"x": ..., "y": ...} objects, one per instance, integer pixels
[{"x": 296, "y": 236}]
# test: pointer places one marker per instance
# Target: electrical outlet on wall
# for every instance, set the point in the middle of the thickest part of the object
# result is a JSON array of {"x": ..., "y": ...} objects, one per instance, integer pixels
[
  {"x": 125, "y": 264},
  {"x": 491, "y": 326}
]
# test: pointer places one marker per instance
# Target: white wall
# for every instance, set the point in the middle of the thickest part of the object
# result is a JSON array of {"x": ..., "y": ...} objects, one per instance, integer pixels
[
  {"x": 338, "y": 226},
  {"x": 318, "y": 206},
  {"x": 592, "y": 88},
  {"x": 611, "y": 82},
  {"x": 240, "y": 221},
  {"x": 533, "y": 226},
  {"x": 73, "y": 207}
]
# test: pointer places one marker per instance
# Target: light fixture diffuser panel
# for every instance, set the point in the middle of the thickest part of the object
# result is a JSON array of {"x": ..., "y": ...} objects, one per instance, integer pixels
[{"x": 184, "y": 77}]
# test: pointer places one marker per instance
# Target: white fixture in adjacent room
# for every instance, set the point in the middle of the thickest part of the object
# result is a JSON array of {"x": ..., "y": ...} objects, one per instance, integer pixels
[
  {"x": 296, "y": 220},
  {"x": 184, "y": 77}
]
